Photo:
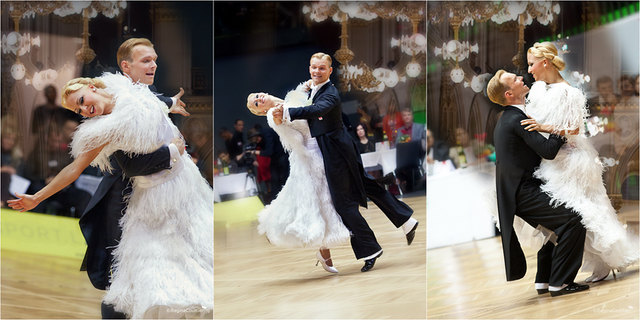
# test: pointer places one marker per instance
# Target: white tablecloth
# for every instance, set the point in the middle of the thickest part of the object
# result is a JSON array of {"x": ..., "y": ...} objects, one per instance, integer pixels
[
  {"x": 458, "y": 206},
  {"x": 384, "y": 158},
  {"x": 233, "y": 183}
]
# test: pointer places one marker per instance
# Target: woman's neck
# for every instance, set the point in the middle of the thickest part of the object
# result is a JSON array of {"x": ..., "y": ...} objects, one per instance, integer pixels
[
  {"x": 108, "y": 107},
  {"x": 554, "y": 77},
  {"x": 364, "y": 139}
]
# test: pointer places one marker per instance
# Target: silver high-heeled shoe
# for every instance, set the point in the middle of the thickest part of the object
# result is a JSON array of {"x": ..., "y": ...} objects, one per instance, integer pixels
[
  {"x": 322, "y": 260},
  {"x": 599, "y": 275}
]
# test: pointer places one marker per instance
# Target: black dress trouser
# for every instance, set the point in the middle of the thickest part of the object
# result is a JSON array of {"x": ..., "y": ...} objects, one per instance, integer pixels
[
  {"x": 559, "y": 264},
  {"x": 363, "y": 240}
]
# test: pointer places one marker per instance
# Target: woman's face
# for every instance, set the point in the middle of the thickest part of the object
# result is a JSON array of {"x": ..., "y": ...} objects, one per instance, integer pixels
[
  {"x": 536, "y": 67},
  {"x": 360, "y": 131},
  {"x": 263, "y": 102},
  {"x": 8, "y": 141},
  {"x": 88, "y": 103}
]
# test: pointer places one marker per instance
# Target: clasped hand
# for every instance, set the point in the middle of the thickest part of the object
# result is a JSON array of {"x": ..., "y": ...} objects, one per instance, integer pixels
[
  {"x": 532, "y": 125},
  {"x": 278, "y": 114}
]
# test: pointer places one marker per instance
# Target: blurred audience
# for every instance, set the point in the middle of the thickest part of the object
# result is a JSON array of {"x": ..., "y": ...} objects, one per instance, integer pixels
[
  {"x": 376, "y": 126},
  {"x": 437, "y": 150},
  {"x": 48, "y": 157},
  {"x": 606, "y": 100},
  {"x": 236, "y": 145},
  {"x": 279, "y": 166},
  {"x": 200, "y": 146},
  {"x": 11, "y": 157},
  {"x": 411, "y": 145},
  {"x": 462, "y": 153},
  {"x": 224, "y": 164},
  {"x": 627, "y": 89},
  {"x": 50, "y": 113},
  {"x": 410, "y": 131},
  {"x": 226, "y": 136},
  {"x": 364, "y": 143},
  {"x": 391, "y": 122},
  {"x": 262, "y": 164}
]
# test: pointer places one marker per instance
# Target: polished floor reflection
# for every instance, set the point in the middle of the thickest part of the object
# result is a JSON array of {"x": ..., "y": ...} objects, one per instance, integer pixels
[
  {"x": 467, "y": 281},
  {"x": 256, "y": 280},
  {"x": 46, "y": 287}
]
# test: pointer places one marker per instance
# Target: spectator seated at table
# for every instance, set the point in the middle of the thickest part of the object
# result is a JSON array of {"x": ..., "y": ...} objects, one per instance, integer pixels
[
  {"x": 364, "y": 143},
  {"x": 410, "y": 152},
  {"x": 46, "y": 160},
  {"x": 438, "y": 160},
  {"x": 224, "y": 164},
  {"x": 12, "y": 163}
]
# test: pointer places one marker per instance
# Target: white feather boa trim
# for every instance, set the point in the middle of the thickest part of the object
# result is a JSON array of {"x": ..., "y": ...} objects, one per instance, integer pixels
[
  {"x": 133, "y": 126},
  {"x": 569, "y": 109}
]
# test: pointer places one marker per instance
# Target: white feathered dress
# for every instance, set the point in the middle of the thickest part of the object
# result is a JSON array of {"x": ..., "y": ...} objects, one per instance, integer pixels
[
  {"x": 574, "y": 177},
  {"x": 164, "y": 261},
  {"x": 302, "y": 214}
]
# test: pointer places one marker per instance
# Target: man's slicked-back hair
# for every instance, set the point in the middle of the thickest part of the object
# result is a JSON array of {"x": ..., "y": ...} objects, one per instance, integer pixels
[
  {"x": 496, "y": 89},
  {"x": 124, "y": 52}
]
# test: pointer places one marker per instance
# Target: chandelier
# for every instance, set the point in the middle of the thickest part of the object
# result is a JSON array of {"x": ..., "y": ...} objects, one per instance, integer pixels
[
  {"x": 462, "y": 14},
  {"x": 361, "y": 76},
  {"x": 18, "y": 44}
]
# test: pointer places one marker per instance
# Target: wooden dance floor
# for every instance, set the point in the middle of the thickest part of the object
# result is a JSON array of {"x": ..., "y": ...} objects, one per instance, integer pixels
[
  {"x": 256, "y": 280},
  {"x": 46, "y": 287},
  {"x": 467, "y": 281}
]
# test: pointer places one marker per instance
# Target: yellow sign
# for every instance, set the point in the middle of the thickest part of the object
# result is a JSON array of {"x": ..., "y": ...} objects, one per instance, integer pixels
[
  {"x": 42, "y": 234},
  {"x": 237, "y": 211}
]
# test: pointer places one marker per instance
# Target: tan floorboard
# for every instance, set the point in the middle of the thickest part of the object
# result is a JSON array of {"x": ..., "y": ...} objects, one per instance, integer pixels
[
  {"x": 46, "y": 287},
  {"x": 256, "y": 280},
  {"x": 467, "y": 281}
]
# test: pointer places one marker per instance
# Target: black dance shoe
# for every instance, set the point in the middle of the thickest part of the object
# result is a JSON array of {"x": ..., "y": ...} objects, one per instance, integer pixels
[
  {"x": 368, "y": 264},
  {"x": 412, "y": 234},
  {"x": 571, "y": 288},
  {"x": 542, "y": 291}
]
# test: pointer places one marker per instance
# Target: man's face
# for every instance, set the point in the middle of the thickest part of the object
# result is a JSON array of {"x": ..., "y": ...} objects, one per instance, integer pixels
[
  {"x": 605, "y": 88},
  {"x": 407, "y": 118},
  {"x": 320, "y": 70},
  {"x": 142, "y": 66},
  {"x": 239, "y": 125},
  {"x": 517, "y": 89},
  {"x": 627, "y": 87}
]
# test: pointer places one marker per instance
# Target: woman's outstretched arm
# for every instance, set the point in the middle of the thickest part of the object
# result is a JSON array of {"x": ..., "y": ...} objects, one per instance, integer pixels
[{"x": 64, "y": 178}]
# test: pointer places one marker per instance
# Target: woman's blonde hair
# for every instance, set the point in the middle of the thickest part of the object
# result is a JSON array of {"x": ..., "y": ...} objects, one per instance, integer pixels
[
  {"x": 252, "y": 106},
  {"x": 76, "y": 84},
  {"x": 547, "y": 50}
]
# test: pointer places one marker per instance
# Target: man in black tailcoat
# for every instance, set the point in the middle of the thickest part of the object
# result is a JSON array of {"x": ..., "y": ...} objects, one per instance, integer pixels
[
  {"x": 349, "y": 184},
  {"x": 518, "y": 153},
  {"x": 100, "y": 221}
]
